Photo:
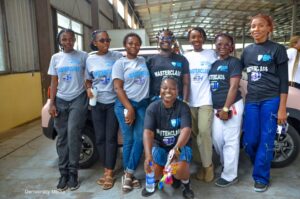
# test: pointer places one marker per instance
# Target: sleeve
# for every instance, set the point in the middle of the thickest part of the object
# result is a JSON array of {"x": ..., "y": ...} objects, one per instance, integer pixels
[
  {"x": 87, "y": 74},
  {"x": 149, "y": 121},
  {"x": 282, "y": 69},
  {"x": 236, "y": 68},
  {"x": 185, "y": 115},
  {"x": 117, "y": 70},
  {"x": 186, "y": 67},
  {"x": 52, "y": 70}
]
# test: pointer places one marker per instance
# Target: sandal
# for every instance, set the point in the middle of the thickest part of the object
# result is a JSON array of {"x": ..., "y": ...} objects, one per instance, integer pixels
[
  {"x": 101, "y": 180},
  {"x": 126, "y": 183},
  {"x": 136, "y": 183},
  {"x": 109, "y": 182}
]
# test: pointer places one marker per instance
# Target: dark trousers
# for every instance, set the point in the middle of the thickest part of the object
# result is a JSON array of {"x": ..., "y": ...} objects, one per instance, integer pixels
[
  {"x": 106, "y": 133},
  {"x": 69, "y": 125}
]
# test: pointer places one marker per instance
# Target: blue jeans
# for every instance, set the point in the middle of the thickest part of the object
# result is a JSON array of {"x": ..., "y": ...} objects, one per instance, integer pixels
[
  {"x": 260, "y": 123},
  {"x": 132, "y": 135},
  {"x": 160, "y": 155}
]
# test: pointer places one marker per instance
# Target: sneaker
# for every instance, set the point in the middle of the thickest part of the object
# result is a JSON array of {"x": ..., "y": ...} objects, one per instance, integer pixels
[
  {"x": 73, "y": 182},
  {"x": 221, "y": 182},
  {"x": 62, "y": 183},
  {"x": 145, "y": 193},
  {"x": 176, "y": 183},
  {"x": 187, "y": 192},
  {"x": 260, "y": 187}
]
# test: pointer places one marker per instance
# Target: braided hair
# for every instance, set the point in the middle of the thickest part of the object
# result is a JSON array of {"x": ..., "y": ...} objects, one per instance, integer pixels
[
  {"x": 93, "y": 38},
  {"x": 200, "y": 30},
  {"x": 60, "y": 33},
  {"x": 168, "y": 31}
]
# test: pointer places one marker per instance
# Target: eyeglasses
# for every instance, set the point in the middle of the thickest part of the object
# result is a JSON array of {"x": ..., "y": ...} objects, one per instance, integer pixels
[
  {"x": 105, "y": 40},
  {"x": 166, "y": 38}
]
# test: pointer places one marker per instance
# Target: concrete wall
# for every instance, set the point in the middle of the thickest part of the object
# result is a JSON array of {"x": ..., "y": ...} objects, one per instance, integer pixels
[{"x": 21, "y": 99}]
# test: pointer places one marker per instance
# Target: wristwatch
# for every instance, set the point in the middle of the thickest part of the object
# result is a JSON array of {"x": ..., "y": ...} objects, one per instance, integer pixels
[{"x": 225, "y": 109}]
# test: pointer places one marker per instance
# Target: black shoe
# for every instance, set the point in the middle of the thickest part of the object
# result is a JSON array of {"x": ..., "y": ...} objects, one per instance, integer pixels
[
  {"x": 145, "y": 193},
  {"x": 62, "y": 183},
  {"x": 260, "y": 187},
  {"x": 221, "y": 182},
  {"x": 176, "y": 183},
  {"x": 187, "y": 191},
  {"x": 73, "y": 182}
]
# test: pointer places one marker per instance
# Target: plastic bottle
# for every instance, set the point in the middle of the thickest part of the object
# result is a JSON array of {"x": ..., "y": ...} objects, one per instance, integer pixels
[
  {"x": 93, "y": 100},
  {"x": 150, "y": 180}
]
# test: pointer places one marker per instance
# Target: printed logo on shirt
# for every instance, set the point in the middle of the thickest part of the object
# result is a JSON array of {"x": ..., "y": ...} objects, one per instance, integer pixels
[
  {"x": 67, "y": 77},
  {"x": 175, "y": 122},
  {"x": 222, "y": 68},
  {"x": 104, "y": 80},
  {"x": 140, "y": 80},
  {"x": 255, "y": 76},
  {"x": 176, "y": 64},
  {"x": 214, "y": 85},
  {"x": 197, "y": 78},
  {"x": 169, "y": 140},
  {"x": 264, "y": 58},
  {"x": 167, "y": 73}
]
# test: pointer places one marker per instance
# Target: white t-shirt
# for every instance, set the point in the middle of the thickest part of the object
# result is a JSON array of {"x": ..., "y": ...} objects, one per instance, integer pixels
[
  {"x": 200, "y": 64},
  {"x": 98, "y": 70},
  {"x": 69, "y": 67},
  {"x": 292, "y": 53},
  {"x": 135, "y": 75}
]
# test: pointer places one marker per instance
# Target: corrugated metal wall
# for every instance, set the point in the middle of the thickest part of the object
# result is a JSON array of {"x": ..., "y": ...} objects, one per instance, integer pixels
[{"x": 22, "y": 39}]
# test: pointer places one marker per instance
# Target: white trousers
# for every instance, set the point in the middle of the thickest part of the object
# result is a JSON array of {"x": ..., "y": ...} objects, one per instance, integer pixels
[{"x": 226, "y": 140}]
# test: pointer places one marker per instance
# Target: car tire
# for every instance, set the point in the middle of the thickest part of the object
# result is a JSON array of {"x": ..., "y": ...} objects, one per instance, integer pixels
[
  {"x": 88, "y": 153},
  {"x": 286, "y": 148}
]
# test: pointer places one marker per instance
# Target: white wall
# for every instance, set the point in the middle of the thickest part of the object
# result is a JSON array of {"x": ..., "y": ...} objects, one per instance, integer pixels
[{"x": 118, "y": 35}]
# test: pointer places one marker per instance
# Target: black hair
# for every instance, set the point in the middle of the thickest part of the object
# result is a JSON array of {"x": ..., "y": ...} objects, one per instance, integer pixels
[
  {"x": 168, "y": 31},
  {"x": 200, "y": 30},
  {"x": 93, "y": 38},
  {"x": 225, "y": 35},
  {"x": 132, "y": 34},
  {"x": 61, "y": 32},
  {"x": 169, "y": 78}
]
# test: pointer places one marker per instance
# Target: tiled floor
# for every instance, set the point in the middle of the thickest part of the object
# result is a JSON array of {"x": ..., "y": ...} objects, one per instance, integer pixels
[{"x": 29, "y": 170}]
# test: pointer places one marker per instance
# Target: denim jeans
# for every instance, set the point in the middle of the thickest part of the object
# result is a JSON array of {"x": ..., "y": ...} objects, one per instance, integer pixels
[
  {"x": 132, "y": 135},
  {"x": 69, "y": 125},
  {"x": 260, "y": 123},
  {"x": 106, "y": 133}
]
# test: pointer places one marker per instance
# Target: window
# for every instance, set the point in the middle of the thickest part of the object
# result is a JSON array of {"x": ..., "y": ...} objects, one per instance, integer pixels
[
  {"x": 121, "y": 9},
  {"x": 129, "y": 20},
  {"x": 2, "y": 46},
  {"x": 65, "y": 22}
]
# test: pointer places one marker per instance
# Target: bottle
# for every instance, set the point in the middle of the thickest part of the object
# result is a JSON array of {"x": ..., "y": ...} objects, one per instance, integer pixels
[
  {"x": 150, "y": 180},
  {"x": 93, "y": 100}
]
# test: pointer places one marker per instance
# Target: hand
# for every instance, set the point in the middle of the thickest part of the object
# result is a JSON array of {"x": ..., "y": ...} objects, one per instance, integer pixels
[
  {"x": 223, "y": 115},
  {"x": 130, "y": 117},
  {"x": 147, "y": 167},
  {"x": 52, "y": 111},
  {"x": 281, "y": 117},
  {"x": 89, "y": 93}
]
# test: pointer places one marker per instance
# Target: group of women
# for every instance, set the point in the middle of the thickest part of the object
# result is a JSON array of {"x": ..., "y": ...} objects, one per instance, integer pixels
[{"x": 208, "y": 82}]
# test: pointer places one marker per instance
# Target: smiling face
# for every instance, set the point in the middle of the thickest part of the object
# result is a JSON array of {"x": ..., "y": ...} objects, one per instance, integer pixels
[
  {"x": 165, "y": 41},
  {"x": 132, "y": 47},
  {"x": 223, "y": 46},
  {"x": 260, "y": 29},
  {"x": 67, "y": 41},
  {"x": 168, "y": 92},
  {"x": 102, "y": 42},
  {"x": 196, "y": 39}
]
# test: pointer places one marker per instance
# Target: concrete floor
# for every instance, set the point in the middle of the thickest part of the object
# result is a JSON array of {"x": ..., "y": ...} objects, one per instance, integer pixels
[{"x": 29, "y": 170}]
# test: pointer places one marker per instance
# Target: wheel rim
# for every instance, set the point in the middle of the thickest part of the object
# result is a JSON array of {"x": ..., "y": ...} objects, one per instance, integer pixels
[
  {"x": 284, "y": 146},
  {"x": 87, "y": 149}
]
